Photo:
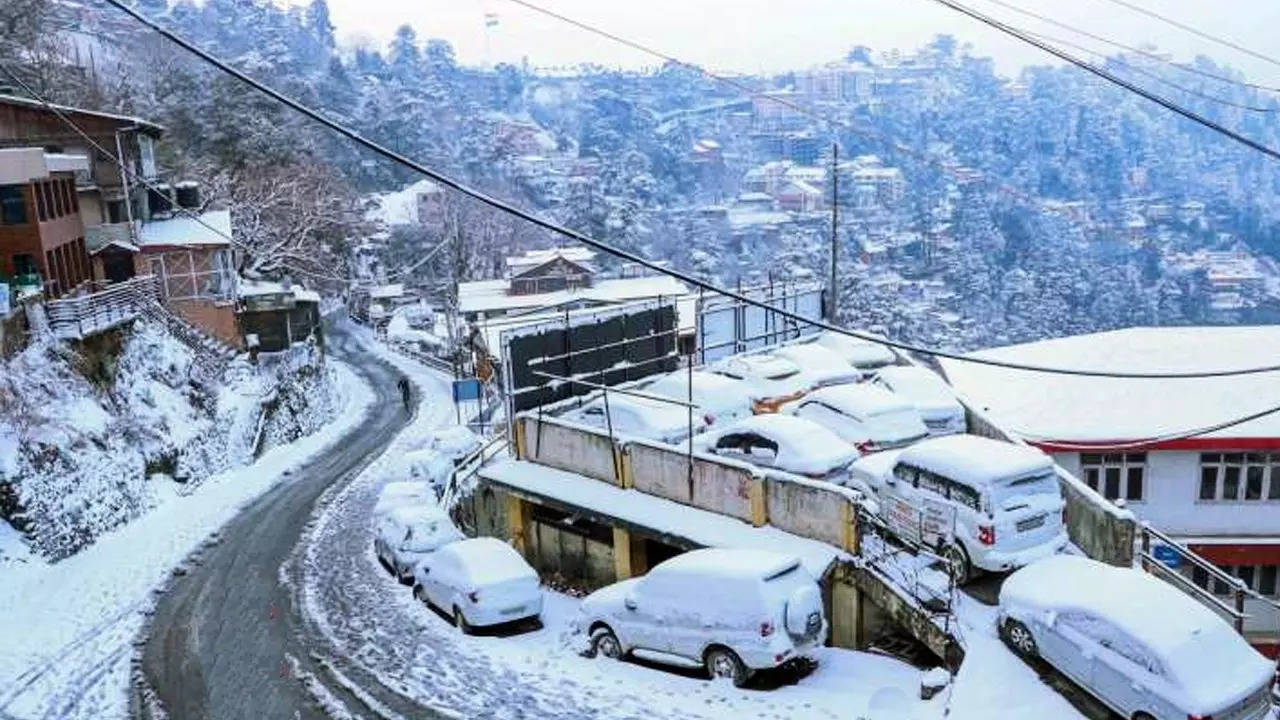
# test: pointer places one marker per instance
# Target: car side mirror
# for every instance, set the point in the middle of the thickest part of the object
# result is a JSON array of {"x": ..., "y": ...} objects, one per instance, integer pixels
[
  {"x": 890, "y": 480},
  {"x": 629, "y": 602}
]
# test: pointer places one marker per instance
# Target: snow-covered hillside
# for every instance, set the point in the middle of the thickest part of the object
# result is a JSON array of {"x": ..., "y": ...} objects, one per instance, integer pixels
[{"x": 88, "y": 432}]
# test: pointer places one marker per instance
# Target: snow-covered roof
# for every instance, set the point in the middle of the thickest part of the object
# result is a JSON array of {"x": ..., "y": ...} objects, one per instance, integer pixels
[
  {"x": 975, "y": 460},
  {"x": 417, "y": 513},
  {"x": 537, "y": 257},
  {"x": 491, "y": 295},
  {"x": 1070, "y": 408},
  {"x": 385, "y": 292},
  {"x": 150, "y": 127},
  {"x": 699, "y": 527},
  {"x": 812, "y": 356},
  {"x": 251, "y": 288},
  {"x": 1207, "y": 658},
  {"x": 212, "y": 228},
  {"x": 401, "y": 207}
]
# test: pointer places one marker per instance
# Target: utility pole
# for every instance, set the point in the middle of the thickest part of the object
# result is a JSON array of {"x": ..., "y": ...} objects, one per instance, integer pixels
[{"x": 832, "y": 290}]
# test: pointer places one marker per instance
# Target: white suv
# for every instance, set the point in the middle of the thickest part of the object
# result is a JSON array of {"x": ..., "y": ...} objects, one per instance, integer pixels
[
  {"x": 984, "y": 503},
  {"x": 730, "y": 611}
]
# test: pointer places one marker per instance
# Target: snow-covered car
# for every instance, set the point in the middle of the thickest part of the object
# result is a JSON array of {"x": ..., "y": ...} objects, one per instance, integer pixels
[
  {"x": 456, "y": 442},
  {"x": 405, "y": 535},
  {"x": 731, "y": 611},
  {"x": 1137, "y": 643},
  {"x": 933, "y": 397},
  {"x": 821, "y": 366},
  {"x": 983, "y": 503},
  {"x": 770, "y": 379},
  {"x": 639, "y": 417},
  {"x": 862, "y": 354},
  {"x": 479, "y": 582},
  {"x": 783, "y": 442},
  {"x": 869, "y": 417},
  {"x": 401, "y": 493},
  {"x": 720, "y": 399}
]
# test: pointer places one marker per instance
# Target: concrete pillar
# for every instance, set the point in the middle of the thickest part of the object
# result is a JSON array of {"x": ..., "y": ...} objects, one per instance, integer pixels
[
  {"x": 622, "y": 567},
  {"x": 846, "y": 600},
  {"x": 849, "y": 528},
  {"x": 521, "y": 450},
  {"x": 517, "y": 521},
  {"x": 759, "y": 505}
]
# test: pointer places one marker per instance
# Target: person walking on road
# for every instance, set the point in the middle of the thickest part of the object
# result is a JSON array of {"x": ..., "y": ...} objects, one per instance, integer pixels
[{"x": 406, "y": 392}]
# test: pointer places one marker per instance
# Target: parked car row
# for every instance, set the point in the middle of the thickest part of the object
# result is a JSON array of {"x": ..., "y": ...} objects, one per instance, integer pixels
[
  {"x": 476, "y": 582},
  {"x": 814, "y": 379}
]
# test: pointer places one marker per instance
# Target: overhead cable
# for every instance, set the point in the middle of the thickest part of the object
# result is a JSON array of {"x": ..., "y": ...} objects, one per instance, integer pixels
[
  {"x": 658, "y": 267},
  {"x": 1112, "y": 78}
]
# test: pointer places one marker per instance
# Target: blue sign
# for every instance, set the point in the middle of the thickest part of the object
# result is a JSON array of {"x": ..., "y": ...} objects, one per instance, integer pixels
[
  {"x": 1171, "y": 558},
  {"x": 466, "y": 389}
]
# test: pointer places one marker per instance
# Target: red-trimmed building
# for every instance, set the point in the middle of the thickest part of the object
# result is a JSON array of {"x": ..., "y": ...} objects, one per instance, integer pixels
[{"x": 1217, "y": 491}]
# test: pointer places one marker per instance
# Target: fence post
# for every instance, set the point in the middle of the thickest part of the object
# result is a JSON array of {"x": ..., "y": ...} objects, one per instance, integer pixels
[
  {"x": 1239, "y": 619},
  {"x": 1146, "y": 546}
]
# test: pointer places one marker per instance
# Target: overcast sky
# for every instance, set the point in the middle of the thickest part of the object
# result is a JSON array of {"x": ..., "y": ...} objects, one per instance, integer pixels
[{"x": 769, "y": 35}]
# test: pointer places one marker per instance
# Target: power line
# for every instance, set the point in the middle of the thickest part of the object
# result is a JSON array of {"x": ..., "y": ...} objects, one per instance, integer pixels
[
  {"x": 572, "y": 234},
  {"x": 1132, "y": 49},
  {"x": 1085, "y": 446},
  {"x": 1196, "y": 31},
  {"x": 1111, "y": 78},
  {"x": 1152, "y": 75}
]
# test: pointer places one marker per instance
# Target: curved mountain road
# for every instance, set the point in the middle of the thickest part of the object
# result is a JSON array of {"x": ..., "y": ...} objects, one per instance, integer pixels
[{"x": 226, "y": 639}]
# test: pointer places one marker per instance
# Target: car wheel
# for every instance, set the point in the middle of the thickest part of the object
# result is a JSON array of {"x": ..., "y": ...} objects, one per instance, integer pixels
[
  {"x": 605, "y": 644},
  {"x": 460, "y": 621},
  {"x": 1142, "y": 716},
  {"x": 724, "y": 664},
  {"x": 1020, "y": 639},
  {"x": 958, "y": 565},
  {"x": 419, "y": 594}
]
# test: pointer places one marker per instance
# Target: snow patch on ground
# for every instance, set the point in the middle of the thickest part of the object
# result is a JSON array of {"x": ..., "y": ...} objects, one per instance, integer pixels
[{"x": 69, "y": 627}]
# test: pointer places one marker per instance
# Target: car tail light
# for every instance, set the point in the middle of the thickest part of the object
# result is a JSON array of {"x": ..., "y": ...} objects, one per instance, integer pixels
[
  {"x": 1064, "y": 516},
  {"x": 766, "y": 629},
  {"x": 866, "y": 447},
  {"x": 1199, "y": 717},
  {"x": 474, "y": 596},
  {"x": 987, "y": 534}
]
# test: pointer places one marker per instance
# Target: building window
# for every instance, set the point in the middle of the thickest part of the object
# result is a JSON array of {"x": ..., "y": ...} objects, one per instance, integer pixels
[
  {"x": 1118, "y": 476},
  {"x": 13, "y": 206},
  {"x": 1230, "y": 477}
]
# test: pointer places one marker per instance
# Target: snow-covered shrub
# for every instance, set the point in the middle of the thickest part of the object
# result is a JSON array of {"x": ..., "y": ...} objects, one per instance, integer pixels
[{"x": 83, "y": 427}]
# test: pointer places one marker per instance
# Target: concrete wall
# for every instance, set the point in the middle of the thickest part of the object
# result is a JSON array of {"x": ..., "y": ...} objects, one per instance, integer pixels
[
  {"x": 717, "y": 485},
  {"x": 570, "y": 447},
  {"x": 809, "y": 509},
  {"x": 218, "y": 319}
]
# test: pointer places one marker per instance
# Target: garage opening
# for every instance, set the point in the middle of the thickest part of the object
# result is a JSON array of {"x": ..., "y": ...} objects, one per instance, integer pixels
[{"x": 569, "y": 551}]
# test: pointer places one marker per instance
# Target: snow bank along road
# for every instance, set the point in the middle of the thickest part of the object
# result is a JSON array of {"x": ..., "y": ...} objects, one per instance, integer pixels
[{"x": 225, "y": 640}]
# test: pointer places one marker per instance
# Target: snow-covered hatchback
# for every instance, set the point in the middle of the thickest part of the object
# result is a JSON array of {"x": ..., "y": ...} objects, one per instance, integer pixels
[{"x": 731, "y": 611}]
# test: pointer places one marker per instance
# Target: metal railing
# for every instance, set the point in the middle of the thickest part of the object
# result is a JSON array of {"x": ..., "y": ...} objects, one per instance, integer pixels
[
  {"x": 75, "y": 318},
  {"x": 1216, "y": 575}
]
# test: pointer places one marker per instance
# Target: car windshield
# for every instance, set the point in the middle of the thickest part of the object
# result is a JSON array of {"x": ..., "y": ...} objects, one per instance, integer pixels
[{"x": 1043, "y": 484}]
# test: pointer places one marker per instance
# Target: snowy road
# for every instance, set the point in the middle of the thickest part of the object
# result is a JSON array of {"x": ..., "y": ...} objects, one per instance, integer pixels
[{"x": 225, "y": 641}]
